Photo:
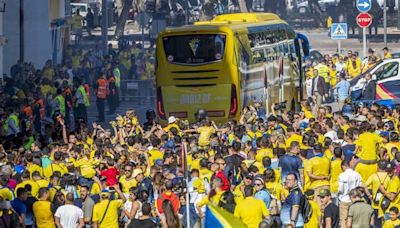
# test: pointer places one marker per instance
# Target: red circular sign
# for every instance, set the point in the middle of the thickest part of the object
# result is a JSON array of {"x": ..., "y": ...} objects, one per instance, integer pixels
[{"x": 364, "y": 20}]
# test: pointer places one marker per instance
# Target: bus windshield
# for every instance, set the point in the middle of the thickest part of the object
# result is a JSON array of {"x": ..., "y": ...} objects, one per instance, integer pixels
[{"x": 194, "y": 49}]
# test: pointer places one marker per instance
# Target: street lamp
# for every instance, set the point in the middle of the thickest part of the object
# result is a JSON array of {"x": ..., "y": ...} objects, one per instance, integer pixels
[{"x": 2, "y": 6}]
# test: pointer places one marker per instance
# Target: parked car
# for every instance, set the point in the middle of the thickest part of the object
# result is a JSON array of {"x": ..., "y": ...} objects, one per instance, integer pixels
[
  {"x": 387, "y": 76},
  {"x": 302, "y": 5}
]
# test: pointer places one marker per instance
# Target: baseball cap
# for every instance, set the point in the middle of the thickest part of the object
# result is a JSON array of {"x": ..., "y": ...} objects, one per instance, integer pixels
[
  {"x": 136, "y": 172},
  {"x": 105, "y": 192},
  {"x": 171, "y": 119},
  {"x": 324, "y": 193}
]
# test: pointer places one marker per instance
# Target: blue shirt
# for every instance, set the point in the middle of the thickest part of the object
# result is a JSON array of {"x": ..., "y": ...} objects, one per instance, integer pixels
[
  {"x": 264, "y": 196},
  {"x": 343, "y": 88},
  {"x": 18, "y": 206},
  {"x": 290, "y": 163},
  {"x": 293, "y": 199}
]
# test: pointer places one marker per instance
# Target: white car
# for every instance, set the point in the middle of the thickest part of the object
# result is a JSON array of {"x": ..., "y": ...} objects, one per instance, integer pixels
[{"x": 302, "y": 5}]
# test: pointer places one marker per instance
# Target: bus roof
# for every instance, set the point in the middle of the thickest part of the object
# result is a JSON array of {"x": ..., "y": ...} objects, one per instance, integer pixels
[{"x": 234, "y": 21}]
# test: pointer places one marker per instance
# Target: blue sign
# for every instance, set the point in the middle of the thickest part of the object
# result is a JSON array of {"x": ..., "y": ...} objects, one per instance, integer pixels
[
  {"x": 364, "y": 5},
  {"x": 339, "y": 31}
]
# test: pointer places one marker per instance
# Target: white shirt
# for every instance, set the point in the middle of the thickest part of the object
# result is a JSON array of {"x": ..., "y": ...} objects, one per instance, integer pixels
[
  {"x": 331, "y": 134},
  {"x": 348, "y": 180},
  {"x": 339, "y": 66},
  {"x": 69, "y": 215}
]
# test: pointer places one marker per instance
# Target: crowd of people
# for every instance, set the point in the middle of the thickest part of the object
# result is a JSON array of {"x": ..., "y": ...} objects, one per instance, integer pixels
[
  {"x": 328, "y": 79},
  {"x": 310, "y": 168}
]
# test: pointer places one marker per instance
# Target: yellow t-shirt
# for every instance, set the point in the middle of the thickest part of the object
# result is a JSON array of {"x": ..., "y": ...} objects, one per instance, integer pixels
[
  {"x": 336, "y": 170},
  {"x": 314, "y": 221},
  {"x": 86, "y": 167},
  {"x": 294, "y": 138},
  {"x": 264, "y": 152},
  {"x": 155, "y": 154},
  {"x": 391, "y": 223},
  {"x": 44, "y": 216},
  {"x": 33, "y": 184},
  {"x": 42, "y": 183},
  {"x": 53, "y": 167},
  {"x": 127, "y": 184},
  {"x": 111, "y": 218},
  {"x": 214, "y": 200},
  {"x": 374, "y": 181},
  {"x": 367, "y": 142},
  {"x": 6, "y": 194},
  {"x": 251, "y": 211},
  {"x": 77, "y": 22},
  {"x": 307, "y": 181},
  {"x": 275, "y": 189},
  {"x": 389, "y": 147},
  {"x": 394, "y": 187},
  {"x": 319, "y": 166},
  {"x": 33, "y": 167},
  {"x": 205, "y": 133}
]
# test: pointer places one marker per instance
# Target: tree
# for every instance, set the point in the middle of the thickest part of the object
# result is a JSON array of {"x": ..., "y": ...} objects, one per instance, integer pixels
[{"x": 119, "y": 30}]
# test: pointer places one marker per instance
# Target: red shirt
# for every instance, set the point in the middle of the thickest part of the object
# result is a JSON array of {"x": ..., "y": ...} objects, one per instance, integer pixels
[
  {"x": 168, "y": 195},
  {"x": 111, "y": 175}
]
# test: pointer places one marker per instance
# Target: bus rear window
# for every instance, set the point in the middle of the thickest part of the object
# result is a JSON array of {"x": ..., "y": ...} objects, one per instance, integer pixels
[{"x": 194, "y": 49}]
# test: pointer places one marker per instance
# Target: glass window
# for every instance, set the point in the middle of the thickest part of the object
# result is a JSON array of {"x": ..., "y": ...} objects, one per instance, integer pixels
[
  {"x": 388, "y": 70},
  {"x": 194, "y": 49}
]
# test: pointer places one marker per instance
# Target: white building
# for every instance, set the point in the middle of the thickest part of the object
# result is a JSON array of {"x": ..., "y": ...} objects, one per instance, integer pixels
[{"x": 41, "y": 39}]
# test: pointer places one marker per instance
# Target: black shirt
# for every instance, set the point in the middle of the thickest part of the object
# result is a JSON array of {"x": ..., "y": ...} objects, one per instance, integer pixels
[
  {"x": 145, "y": 223},
  {"x": 332, "y": 211}
]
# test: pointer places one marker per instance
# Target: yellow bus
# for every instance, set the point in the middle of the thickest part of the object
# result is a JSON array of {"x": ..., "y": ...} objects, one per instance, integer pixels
[{"x": 224, "y": 64}]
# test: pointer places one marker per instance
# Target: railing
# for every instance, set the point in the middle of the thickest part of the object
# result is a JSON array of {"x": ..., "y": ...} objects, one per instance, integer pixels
[{"x": 141, "y": 91}]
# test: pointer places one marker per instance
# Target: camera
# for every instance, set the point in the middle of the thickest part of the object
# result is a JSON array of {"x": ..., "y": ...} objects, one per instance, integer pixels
[{"x": 280, "y": 106}]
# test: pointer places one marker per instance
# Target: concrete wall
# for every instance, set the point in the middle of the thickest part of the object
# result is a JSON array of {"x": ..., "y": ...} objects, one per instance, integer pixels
[{"x": 10, "y": 22}]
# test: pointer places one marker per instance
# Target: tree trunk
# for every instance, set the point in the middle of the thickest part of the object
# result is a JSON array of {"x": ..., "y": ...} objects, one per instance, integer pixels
[{"x": 119, "y": 30}]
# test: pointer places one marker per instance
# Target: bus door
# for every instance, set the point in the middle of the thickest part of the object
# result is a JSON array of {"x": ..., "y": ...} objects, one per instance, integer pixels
[
  {"x": 302, "y": 50},
  {"x": 388, "y": 80}
]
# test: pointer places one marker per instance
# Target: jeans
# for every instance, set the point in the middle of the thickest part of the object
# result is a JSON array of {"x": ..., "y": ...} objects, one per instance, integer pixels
[{"x": 100, "y": 108}]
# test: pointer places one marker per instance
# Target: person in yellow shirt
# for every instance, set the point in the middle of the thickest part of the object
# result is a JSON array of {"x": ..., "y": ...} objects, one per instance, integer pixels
[
  {"x": 353, "y": 66},
  {"x": 366, "y": 151},
  {"x": 105, "y": 212},
  {"x": 155, "y": 153},
  {"x": 42, "y": 183},
  {"x": 86, "y": 167},
  {"x": 26, "y": 180},
  {"x": 206, "y": 130},
  {"x": 77, "y": 23},
  {"x": 319, "y": 172},
  {"x": 128, "y": 180},
  {"x": 394, "y": 220},
  {"x": 265, "y": 150},
  {"x": 251, "y": 211},
  {"x": 336, "y": 170},
  {"x": 374, "y": 182},
  {"x": 386, "y": 53},
  {"x": 315, "y": 219},
  {"x": 42, "y": 210},
  {"x": 213, "y": 199}
]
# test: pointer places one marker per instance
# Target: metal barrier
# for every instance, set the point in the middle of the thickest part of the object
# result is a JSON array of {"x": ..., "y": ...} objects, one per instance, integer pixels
[{"x": 141, "y": 91}]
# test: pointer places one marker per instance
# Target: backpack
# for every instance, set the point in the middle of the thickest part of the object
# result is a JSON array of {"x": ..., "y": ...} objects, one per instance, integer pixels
[{"x": 306, "y": 209}]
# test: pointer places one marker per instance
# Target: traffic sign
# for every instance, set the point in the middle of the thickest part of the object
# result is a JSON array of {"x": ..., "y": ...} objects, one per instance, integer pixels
[
  {"x": 339, "y": 31},
  {"x": 364, "y": 20},
  {"x": 364, "y": 5}
]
